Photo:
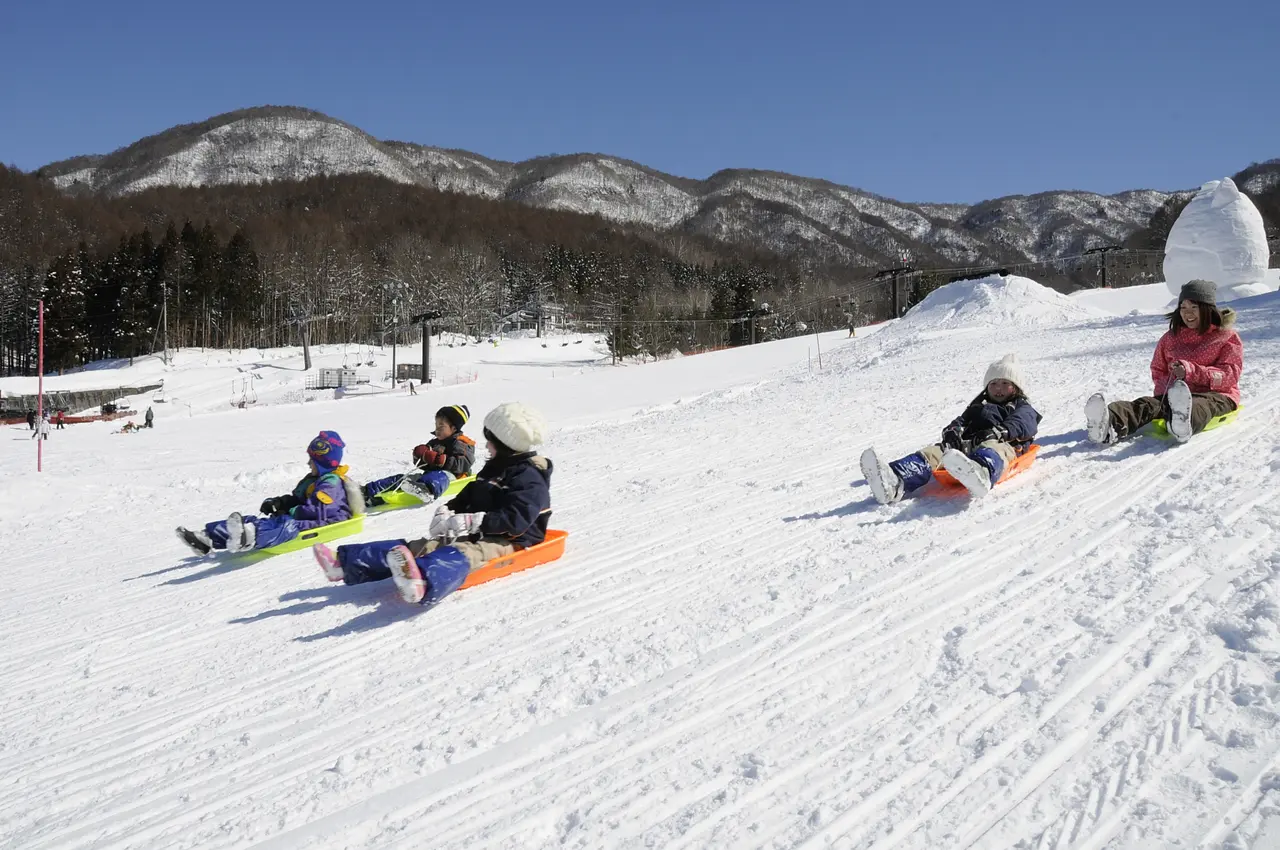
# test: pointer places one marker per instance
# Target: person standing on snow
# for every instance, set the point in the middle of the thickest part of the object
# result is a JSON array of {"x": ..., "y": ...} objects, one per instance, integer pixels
[
  {"x": 976, "y": 447},
  {"x": 504, "y": 510},
  {"x": 1195, "y": 369},
  {"x": 61, "y": 420},
  {"x": 149, "y": 417},
  {"x": 31, "y": 419},
  {"x": 42, "y": 428}
]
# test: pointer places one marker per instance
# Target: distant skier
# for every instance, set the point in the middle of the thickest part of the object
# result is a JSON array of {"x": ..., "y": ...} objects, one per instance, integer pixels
[
  {"x": 149, "y": 416},
  {"x": 412, "y": 391},
  {"x": 975, "y": 448},
  {"x": 61, "y": 420},
  {"x": 449, "y": 455},
  {"x": 505, "y": 509},
  {"x": 1196, "y": 371},
  {"x": 324, "y": 496},
  {"x": 42, "y": 428},
  {"x": 31, "y": 419}
]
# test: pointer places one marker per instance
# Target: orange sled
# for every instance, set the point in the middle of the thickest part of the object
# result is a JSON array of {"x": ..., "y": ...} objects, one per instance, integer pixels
[
  {"x": 548, "y": 550},
  {"x": 1020, "y": 463}
]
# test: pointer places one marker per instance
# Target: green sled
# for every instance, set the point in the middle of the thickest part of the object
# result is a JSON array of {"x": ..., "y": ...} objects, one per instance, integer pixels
[
  {"x": 307, "y": 538},
  {"x": 394, "y": 500},
  {"x": 1160, "y": 430}
]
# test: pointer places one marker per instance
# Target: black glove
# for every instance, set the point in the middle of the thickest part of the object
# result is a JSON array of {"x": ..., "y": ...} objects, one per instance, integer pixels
[
  {"x": 270, "y": 507},
  {"x": 952, "y": 439},
  {"x": 999, "y": 434}
]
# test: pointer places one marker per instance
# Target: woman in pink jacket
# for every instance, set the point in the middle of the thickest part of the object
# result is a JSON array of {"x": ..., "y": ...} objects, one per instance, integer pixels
[{"x": 1196, "y": 370}]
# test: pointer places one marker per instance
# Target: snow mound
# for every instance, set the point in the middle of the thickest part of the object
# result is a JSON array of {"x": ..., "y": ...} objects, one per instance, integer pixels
[
  {"x": 1220, "y": 236},
  {"x": 994, "y": 301}
]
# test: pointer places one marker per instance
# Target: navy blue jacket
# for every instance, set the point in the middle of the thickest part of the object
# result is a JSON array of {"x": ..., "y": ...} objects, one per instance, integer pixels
[
  {"x": 1016, "y": 415},
  {"x": 515, "y": 494}
]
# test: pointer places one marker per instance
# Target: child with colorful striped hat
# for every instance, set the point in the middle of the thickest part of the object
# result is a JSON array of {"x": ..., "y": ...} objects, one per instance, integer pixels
[{"x": 447, "y": 456}]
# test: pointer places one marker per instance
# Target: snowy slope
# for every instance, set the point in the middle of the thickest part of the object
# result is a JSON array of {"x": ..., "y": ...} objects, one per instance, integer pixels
[
  {"x": 781, "y": 211},
  {"x": 739, "y": 648}
]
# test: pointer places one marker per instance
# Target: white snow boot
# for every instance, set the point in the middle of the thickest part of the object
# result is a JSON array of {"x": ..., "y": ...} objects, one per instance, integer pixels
[
  {"x": 240, "y": 534},
  {"x": 414, "y": 487},
  {"x": 975, "y": 477},
  {"x": 1098, "y": 420},
  {"x": 1178, "y": 395},
  {"x": 328, "y": 562},
  {"x": 885, "y": 484},
  {"x": 197, "y": 540},
  {"x": 405, "y": 573}
]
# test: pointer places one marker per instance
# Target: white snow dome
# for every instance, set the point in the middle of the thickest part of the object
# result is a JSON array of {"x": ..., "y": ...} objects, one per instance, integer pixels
[{"x": 1219, "y": 237}]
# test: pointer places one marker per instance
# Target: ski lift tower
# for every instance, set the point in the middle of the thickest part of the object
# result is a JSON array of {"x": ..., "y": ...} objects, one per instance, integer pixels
[{"x": 425, "y": 319}]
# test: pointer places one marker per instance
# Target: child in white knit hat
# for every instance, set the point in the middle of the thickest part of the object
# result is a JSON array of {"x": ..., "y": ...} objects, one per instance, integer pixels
[
  {"x": 505, "y": 509},
  {"x": 975, "y": 448}
]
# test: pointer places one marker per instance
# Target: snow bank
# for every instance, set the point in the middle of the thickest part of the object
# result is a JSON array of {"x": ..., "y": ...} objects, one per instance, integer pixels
[
  {"x": 1220, "y": 236},
  {"x": 995, "y": 301},
  {"x": 1147, "y": 298}
]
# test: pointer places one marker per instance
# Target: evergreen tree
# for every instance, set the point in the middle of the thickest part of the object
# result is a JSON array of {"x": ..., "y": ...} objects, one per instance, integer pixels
[{"x": 66, "y": 334}]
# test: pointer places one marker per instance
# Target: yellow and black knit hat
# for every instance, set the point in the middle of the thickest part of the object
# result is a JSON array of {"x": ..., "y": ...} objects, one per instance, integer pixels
[{"x": 455, "y": 414}]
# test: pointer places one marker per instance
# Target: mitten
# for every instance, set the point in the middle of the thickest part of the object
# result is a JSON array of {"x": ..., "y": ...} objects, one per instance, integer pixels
[
  {"x": 951, "y": 437},
  {"x": 463, "y": 525},
  {"x": 425, "y": 456},
  {"x": 999, "y": 433}
]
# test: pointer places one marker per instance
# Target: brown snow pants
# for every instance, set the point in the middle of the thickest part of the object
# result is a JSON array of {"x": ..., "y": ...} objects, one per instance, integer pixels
[
  {"x": 477, "y": 554},
  {"x": 1128, "y": 416},
  {"x": 933, "y": 453}
]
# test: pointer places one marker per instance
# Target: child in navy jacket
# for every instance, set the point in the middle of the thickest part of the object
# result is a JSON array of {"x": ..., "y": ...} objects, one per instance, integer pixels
[
  {"x": 504, "y": 510},
  {"x": 975, "y": 448}
]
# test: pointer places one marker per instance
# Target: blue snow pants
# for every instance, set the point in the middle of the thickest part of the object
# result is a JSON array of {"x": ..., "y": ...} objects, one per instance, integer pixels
[
  {"x": 270, "y": 531},
  {"x": 444, "y": 569}
]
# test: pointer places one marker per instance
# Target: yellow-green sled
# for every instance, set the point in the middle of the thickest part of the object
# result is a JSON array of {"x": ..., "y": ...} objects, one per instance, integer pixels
[{"x": 1161, "y": 430}]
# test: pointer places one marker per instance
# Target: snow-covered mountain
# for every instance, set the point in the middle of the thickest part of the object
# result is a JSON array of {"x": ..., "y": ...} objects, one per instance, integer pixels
[{"x": 779, "y": 211}]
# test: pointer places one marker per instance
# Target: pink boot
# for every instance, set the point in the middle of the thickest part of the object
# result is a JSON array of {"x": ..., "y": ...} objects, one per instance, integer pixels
[
  {"x": 328, "y": 562},
  {"x": 407, "y": 576}
]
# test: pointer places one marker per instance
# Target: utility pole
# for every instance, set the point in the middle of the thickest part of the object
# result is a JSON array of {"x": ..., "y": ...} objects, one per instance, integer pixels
[
  {"x": 164, "y": 318},
  {"x": 303, "y": 321},
  {"x": 40, "y": 396},
  {"x": 895, "y": 276},
  {"x": 1104, "y": 250},
  {"x": 425, "y": 320}
]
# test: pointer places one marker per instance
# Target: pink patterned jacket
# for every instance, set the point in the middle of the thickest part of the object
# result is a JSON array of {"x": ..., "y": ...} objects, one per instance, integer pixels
[{"x": 1213, "y": 360}]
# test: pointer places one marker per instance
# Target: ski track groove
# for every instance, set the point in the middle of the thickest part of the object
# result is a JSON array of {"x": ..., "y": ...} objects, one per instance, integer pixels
[
  {"x": 830, "y": 634},
  {"x": 1203, "y": 461}
]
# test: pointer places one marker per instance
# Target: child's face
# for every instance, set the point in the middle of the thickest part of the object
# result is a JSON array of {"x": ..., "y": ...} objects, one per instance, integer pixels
[
  {"x": 444, "y": 430},
  {"x": 1190, "y": 312},
  {"x": 1001, "y": 390}
]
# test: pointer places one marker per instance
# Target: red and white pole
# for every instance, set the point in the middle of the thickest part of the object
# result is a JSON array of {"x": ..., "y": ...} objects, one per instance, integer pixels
[{"x": 40, "y": 397}]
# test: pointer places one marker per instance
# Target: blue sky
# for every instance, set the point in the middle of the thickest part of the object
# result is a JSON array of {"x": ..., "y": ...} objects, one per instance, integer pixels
[{"x": 924, "y": 101}]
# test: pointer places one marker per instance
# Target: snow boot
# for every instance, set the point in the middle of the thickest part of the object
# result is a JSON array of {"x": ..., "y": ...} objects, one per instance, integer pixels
[
  {"x": 885, "y": 484},
  {"x": 978, "y": 474},
  {"x": 1178, "y": 397},
  {"x": 406, "y": 575},
  {"x": 328, "y": 562},
  {"x": 240, "y": 534},
  {"x": 197, "y": 540},
  {"x": 428, "y": 486},
  {"x": 416, "y": 488},
  {"x": 1098, "y": 420}
]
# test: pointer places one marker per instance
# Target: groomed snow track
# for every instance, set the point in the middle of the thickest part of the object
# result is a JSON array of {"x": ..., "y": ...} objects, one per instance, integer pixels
[{"x": 740, "y": 648}]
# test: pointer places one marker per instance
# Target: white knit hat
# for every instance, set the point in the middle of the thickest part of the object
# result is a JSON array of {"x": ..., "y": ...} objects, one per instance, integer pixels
[
  {"x": 517, "y": 426},
  {"x": 1006, "y": 368}
]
